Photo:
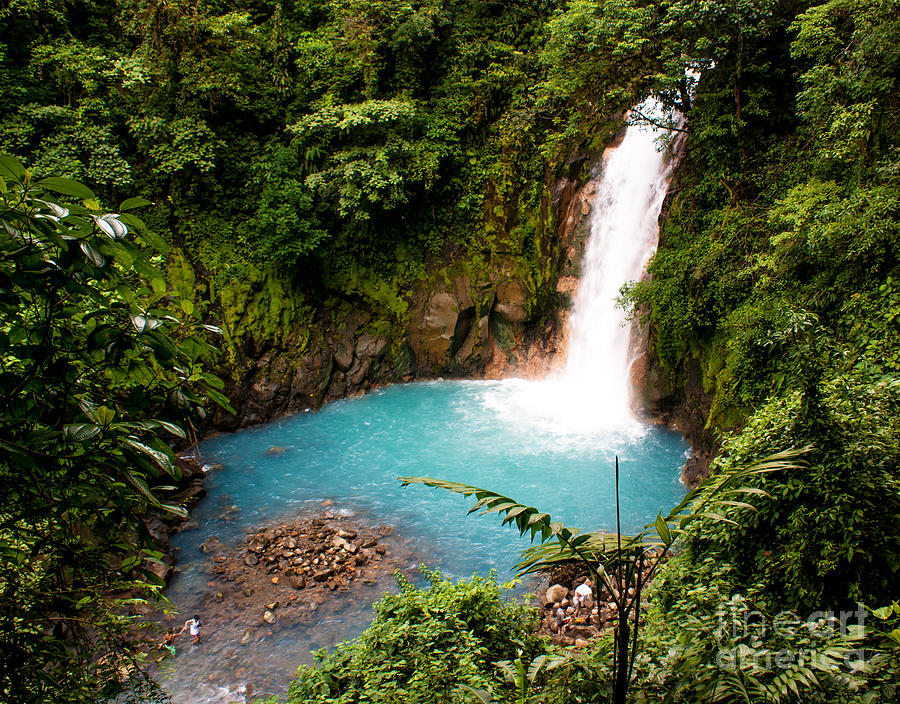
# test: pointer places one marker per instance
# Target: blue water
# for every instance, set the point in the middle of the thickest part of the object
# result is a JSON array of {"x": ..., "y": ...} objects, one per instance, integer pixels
[{"x": 352, "y": 452}]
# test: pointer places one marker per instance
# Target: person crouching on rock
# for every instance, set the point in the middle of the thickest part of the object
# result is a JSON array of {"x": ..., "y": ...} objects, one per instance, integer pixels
[
  {"x": 584, "y": 597},
  {"x": 194, "y": 625}
]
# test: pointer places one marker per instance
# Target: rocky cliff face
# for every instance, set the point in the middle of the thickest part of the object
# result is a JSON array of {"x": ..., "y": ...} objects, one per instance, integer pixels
[{"x": 493, "y": 319}]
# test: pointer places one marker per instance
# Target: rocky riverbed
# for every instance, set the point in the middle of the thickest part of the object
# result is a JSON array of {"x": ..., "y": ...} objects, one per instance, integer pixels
[
  {"x": 284, "y": 572},
  {"x": 296, "y": 580}
]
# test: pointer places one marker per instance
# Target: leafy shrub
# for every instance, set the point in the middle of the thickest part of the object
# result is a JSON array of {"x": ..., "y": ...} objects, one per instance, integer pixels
[{"x": 423, "y": 644}]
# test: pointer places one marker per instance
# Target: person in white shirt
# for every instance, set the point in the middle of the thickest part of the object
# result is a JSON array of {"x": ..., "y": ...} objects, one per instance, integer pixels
[
  {"x": 194, "y": 625},
  {"x": 584, "y": 596}
]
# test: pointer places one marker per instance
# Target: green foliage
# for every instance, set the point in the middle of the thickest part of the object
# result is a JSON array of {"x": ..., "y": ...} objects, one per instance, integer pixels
[
  {"x": 827, "y": 534},
  {"x": 705, "y": 641},
  {"x": 423, "y": 644},
  {"x": 89, "y": 349}
]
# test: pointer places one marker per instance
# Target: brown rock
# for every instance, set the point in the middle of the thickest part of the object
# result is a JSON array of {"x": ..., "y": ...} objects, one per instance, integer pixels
[
  {"x": 512, "y": 300},
  {"x": 584, "y": 632},
  {"x": 555, "y": 593}
]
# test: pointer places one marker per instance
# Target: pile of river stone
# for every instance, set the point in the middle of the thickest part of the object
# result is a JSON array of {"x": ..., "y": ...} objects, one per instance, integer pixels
[
  {"x": 312, "y": 551},
  {"x": 576, "y": 629},
  {"x": 285, "y": 572}
]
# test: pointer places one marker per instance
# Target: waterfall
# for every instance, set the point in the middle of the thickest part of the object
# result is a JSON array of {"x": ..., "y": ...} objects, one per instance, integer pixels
[
  {"x": 592, "y": 390},
  {"x": 623, "y": 236}
]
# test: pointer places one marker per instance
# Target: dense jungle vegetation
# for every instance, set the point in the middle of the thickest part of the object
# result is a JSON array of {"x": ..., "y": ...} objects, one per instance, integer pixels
[{"x": 165, "y": 161}]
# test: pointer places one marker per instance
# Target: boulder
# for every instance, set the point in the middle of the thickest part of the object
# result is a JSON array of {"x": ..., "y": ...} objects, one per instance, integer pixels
[{"x": 555, "y": 593}]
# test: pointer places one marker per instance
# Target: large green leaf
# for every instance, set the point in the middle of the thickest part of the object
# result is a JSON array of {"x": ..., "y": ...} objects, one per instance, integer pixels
[
  {"x": 131, "y": 203},
  {"x": 67, "y": 187},
  {"x": 11, "y": 168}
]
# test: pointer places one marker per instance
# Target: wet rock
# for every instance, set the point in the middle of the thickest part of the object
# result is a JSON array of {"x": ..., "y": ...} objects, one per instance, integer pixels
[
  {"x": 276, "y": 450},
  {"x": 211, "y": 545},
  {"x": 191, "y": 495},
  {"x": 323, "y": 575},
  {"x": 250, "y": 560},
  {"x": 339, "y": 542},
  {"x": 347, "y": 534},
  {"x": 269, "y": 617},
  {"x": 247, "y": 637},
  {"x": 297, "y": 582}
]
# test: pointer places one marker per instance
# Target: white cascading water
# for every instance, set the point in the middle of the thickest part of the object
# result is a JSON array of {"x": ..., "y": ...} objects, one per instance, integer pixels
[{"x": 592, "y": 391}]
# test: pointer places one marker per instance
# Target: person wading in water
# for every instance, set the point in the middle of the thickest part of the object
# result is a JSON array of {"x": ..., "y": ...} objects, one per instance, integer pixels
[
  {"x": 194, "y": 625},
  {"x": 169, "y": 641}
]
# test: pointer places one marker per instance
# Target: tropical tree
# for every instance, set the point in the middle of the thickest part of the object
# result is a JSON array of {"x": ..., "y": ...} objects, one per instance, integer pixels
[{"x": 91, "y": 345}]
